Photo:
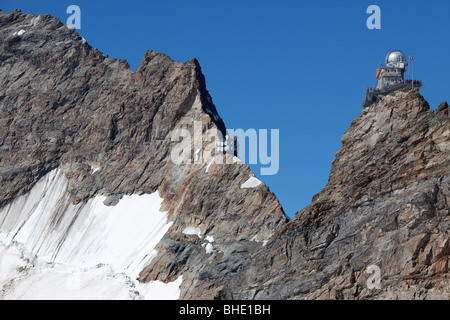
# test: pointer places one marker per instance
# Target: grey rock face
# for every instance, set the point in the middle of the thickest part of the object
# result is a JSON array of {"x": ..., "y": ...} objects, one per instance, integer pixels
[
  {"x": 385, "y": 205},
  {"x": 64, "y": 105}
]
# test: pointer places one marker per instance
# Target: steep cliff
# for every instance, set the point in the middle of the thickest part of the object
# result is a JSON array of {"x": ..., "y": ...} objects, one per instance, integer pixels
[
  {"x": 87, "y": 172},
  {"x": 385, "y": 206}
]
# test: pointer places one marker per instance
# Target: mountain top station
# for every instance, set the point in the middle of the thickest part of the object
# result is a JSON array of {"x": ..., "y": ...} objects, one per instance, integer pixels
[{"x": 390, "y": 77}]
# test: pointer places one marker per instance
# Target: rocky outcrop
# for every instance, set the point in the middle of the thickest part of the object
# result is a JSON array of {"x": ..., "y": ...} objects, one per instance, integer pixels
[
  {"x": 385, "y": 205},
  {"x": 66, "y": 106}
]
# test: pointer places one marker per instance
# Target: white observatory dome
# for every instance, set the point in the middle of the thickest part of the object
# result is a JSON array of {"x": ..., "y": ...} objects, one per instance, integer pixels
[{"x": 395, "y": 56}]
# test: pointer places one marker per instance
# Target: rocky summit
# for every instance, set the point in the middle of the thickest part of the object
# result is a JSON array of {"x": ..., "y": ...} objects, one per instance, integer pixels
[
  {"x": 82, "y": 124},
  {"x": 93, "y": 205},
  {"x": 385, "y": 206}
]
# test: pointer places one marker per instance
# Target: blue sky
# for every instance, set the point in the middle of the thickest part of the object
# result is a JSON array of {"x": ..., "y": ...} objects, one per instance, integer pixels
[{"x": 297, "y": 66}]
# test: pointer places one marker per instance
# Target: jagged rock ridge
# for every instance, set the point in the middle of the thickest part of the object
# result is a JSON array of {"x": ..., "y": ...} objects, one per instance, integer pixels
[
  {"x": 385, "y": 205},
  {"x": 67, "y": 107}
]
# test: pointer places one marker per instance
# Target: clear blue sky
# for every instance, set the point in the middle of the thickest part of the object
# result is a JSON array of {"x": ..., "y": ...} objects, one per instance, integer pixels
[{"x": 297, "y": 66}]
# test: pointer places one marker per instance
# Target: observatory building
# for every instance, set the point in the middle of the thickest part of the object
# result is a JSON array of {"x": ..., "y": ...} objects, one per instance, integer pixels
[
  {"x": 393, "y": 71},
  {"x": 390, "y": 77}
]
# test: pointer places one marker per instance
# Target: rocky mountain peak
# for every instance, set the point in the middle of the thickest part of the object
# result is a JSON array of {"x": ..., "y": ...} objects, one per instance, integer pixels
[
  {"x": 90, "y": 189},
  {"x": 81, "y": 123},
  {"x": 385, "y": 208}
]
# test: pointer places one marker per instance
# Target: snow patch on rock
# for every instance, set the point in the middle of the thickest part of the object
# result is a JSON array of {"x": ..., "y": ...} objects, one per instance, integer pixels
[
  {"x": 252, "y": 182},
  {"x": 19, "y": 33},
  {"x": 209, "y": 248},
  {"x": 94, "y": 169},
  {"x": 193, "y": 231},
  {"x": 114, "y": 243},
  {"x": 264, "y": 242}
]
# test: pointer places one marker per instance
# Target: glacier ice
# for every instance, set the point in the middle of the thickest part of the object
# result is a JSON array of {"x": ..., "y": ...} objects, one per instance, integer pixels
[{"x": 89, "y": 240}]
